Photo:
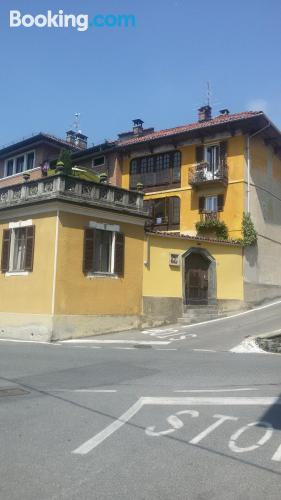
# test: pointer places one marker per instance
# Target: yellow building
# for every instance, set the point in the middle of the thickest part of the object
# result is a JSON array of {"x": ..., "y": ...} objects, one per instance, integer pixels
[{"x": 72, "y": 258}]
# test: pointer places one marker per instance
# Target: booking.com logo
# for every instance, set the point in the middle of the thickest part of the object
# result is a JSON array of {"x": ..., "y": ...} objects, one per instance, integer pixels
[{"x": 82, "y": 22}]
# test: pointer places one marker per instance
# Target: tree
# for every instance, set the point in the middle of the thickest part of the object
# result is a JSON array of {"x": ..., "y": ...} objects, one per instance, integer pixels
[{"x": 65, "y": 158}]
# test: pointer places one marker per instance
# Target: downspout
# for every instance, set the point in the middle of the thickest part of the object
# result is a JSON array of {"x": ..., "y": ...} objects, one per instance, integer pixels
[{"x": 249, "y": 137}]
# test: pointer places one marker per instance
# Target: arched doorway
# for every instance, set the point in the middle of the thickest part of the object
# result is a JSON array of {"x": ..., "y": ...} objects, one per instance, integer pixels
[{"x": 199, "y": 278}]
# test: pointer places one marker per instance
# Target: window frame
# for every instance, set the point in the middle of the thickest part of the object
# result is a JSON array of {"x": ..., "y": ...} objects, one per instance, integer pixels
[
  {"x": 115, "y": 270},
  {"x": 101, "y": 164},
  {"x": 168, "y": 223},
  {"x": 29, "y": 243},
  {"x": 14, "y": 160},
  {"x": 150, "y": 176}
]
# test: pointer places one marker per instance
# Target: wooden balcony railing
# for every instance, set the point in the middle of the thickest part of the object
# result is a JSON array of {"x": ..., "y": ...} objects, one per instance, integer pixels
[{"x": 201, "y": 174}]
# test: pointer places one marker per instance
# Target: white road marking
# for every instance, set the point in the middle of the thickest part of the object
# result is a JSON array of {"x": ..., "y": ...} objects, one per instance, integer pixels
[
  {"x": 218, "y": 390},
  {"x": 175, "y": 422},
  {"x": 204, "y": 350},
  {"x": 118, "y": 341},
  {"x": 86, "y": 390},
  {"x": 124, "y": 348},
  {"x": 237, "y": 449},
  {"x": 164, "y": 349},
  {"x": 167, "y": 401},
  {"x": 277, "y": 455},
  {"x": 211, "y": 428},
  {"x": 110, "y": 429}
]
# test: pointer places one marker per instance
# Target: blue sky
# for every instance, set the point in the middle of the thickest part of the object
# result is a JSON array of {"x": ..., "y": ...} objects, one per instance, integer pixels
[{"x": 156, "y": 71}]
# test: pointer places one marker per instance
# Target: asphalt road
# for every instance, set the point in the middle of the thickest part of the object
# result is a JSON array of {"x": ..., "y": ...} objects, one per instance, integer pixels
[{"x": 168, "y": 413}]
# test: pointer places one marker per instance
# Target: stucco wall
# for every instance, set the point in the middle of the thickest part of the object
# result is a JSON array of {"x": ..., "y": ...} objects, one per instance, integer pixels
[
  {"x": 32, "y": 293},
  {"x": 79, "y": 294},
  {"x": 234, "y": 193},
  {"x": 262, "y": 263},
  {"x": 163, "y": 280}
]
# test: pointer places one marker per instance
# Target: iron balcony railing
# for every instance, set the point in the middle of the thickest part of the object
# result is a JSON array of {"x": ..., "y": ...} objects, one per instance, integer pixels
[
  {"x": 208, "y": 215},
  {"x": 201, "y": 173}
]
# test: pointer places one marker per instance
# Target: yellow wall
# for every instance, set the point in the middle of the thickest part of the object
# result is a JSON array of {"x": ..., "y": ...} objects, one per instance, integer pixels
[
  {"x": 234, "y": 192},
  {"x": 78, "y": 294},
  {"x": 32, "y": 293},
  {"x": 163, "y": 280}
]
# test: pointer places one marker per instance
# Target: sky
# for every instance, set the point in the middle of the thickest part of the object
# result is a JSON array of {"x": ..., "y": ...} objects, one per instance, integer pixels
[{"x": 157, "y": 70}]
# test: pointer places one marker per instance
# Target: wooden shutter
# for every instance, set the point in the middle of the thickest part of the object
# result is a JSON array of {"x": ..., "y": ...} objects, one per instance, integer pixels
[
  {"x": 119, "y": 254},
  {"x": 88, "y": 258},
  {"x": 174, "y": 210},
  {"x": 6, "y": 250},
  {"x": 201, "y": 204},
  {"x": 29, "y": 250},
  {"x": 223, "y": 153},
  {"x": 199, "y": 154},
  {"x": 220, "y": 202}
]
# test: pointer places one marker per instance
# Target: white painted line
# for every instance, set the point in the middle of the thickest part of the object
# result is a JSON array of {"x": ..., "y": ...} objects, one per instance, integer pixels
[
  {"x": 213, "y": 401},
  {"x": 120, "y": 341},
  {"x": 233, "y": 316},
  {"x": 204, "y": 350},
  {"x": 277, "y": 455},
  {"x": 110, "y": 429},
  {"x": 238, "y": 449},
  {"x": 124, "y": 348},
  {"x": 164, "y": 349},
  {"x": 212, "y": 427},
  {"x": 167, "y": 401},
  {"x": 218, "y": 390},
  {"x": 86, "y": 390}
]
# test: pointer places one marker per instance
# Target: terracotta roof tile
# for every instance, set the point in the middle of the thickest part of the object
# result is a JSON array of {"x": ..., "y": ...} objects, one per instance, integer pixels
[
  {"x": 192, "y": 126},
  {"x": 178, "y": 235}
]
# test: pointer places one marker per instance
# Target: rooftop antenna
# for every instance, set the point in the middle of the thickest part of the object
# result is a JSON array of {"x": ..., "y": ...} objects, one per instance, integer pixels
[
  {"x": 208, "y": 93},
  {"x": 76, "y": 124}
]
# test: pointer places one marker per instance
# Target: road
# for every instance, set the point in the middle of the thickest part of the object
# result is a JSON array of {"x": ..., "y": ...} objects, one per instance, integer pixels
[{"x": 169, "y": 413}]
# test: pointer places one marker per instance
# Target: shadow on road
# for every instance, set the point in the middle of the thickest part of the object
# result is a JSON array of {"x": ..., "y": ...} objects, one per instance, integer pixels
[{"x": 273, "y": 415}]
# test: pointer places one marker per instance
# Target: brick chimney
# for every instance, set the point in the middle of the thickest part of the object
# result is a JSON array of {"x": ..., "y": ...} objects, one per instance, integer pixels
[
  {"x": 204, "y": 113},
  {"x": 81, "y": 140},
  {"x": 71, "y": 136}
]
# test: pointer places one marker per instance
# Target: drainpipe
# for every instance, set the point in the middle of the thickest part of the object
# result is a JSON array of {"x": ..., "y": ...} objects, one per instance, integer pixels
[{"x": 249, "y": 137}]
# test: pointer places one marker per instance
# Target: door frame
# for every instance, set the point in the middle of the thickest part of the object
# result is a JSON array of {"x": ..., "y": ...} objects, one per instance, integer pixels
[{"x": 212, "y": 274}]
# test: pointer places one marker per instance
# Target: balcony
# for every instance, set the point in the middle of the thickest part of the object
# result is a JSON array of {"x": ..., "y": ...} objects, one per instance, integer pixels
[
  {"x": 201, "y": 174},
  {"x": 63, "y": 188},
  {"x": 207, "y": 216}
]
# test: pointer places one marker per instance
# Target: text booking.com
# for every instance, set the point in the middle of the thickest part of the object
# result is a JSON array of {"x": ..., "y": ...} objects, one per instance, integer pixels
[{"x": 81, "y": 22}]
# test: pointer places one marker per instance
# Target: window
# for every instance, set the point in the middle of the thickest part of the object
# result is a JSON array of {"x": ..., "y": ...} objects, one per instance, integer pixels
[
  {"x": 213, "y": 157},
  {"x": 30, "y": 160},
  {"x": 20, "y": 163},
  {"x": 156, "y": 170},
  {"x": 99, "y": 161},
  {"x": 211, "y": 203},
  {"x": 165, "y": 212},
  {"x": 10, "y": 167},
  {"x": 103, "y": 252},
  {"x": 18, "y": 249}
]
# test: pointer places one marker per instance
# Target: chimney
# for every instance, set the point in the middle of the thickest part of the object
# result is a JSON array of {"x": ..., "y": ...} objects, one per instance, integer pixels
[
  {"x": 81, "y": 140},
  {"x": 204, "y": 113},
  {"x": 71, "y": 136},
  {"x": 224, "y": 111},
  {"x": 138, "y": 126}
]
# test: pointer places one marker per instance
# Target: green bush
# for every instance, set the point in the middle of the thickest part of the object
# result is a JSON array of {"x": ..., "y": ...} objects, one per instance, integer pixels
[
  {"x": 216, "y": 226},
  {"x": 248, "y": 230}
]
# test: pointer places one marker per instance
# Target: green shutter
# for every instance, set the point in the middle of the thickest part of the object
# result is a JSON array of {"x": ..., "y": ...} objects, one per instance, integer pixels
[
  {"x": 220, "y": 202},
  {"x": 201, "y": 204}
]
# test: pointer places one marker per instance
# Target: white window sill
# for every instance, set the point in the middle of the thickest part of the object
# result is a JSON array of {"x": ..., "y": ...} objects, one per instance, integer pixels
[
  {"x": 102, "y": 275},
  {"x": 17, "y": 273}
]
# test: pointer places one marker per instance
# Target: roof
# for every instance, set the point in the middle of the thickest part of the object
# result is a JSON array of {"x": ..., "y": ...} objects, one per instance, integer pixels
[
  {"x": 218, "y": 120},
  {"x": 40, "y": 137},
  {"x": 178, "y": 235}
]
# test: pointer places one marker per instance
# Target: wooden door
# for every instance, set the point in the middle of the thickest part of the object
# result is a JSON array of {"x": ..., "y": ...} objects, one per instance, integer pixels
[{"x": 196, "y": 280}]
